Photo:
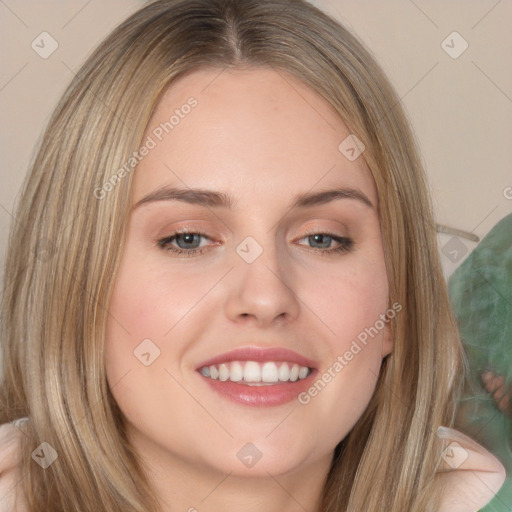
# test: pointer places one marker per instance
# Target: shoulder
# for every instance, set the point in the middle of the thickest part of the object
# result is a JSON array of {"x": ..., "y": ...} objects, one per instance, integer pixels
[
  {"x": 10, "y": 458},
  {"x": 469, "y": 474}
]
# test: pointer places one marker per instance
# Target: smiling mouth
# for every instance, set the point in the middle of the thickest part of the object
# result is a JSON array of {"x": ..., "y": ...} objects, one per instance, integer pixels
[{"x": 253, "y": 373}]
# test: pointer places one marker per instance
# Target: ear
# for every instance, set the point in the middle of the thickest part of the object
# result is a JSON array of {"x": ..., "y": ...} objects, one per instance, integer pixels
[{"x": 388, "y": 342}]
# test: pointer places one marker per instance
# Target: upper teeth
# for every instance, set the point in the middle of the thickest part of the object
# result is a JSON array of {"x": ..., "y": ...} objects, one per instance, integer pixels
[{"x": 254, "y": 372}]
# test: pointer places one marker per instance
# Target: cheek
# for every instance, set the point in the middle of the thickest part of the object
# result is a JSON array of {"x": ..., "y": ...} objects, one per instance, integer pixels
[
  {"x": 153, "y": 304},
  {"x": 349, "y": 300},
  {"x": 133, "y": 318},
  {"x": 352, "y": 312},
  {"x": 350, "y": 303},
  {"x": 148, "y": 302},
  {"x": 143, "y": 308}
]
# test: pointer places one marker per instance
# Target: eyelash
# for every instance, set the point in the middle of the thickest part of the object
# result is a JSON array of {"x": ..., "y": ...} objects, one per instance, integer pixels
[{"x": 346, "y": 244}]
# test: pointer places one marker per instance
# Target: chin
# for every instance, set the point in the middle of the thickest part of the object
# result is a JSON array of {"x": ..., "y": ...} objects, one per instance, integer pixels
[{"x": 259, "y": 458}]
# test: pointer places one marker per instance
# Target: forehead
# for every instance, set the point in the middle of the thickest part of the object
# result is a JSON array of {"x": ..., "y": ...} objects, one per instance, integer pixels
[{"x": 257, "y": 132}]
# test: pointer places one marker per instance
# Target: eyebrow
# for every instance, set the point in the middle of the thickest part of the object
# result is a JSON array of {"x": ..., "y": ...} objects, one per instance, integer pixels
[{"x": 211, "y": 198}]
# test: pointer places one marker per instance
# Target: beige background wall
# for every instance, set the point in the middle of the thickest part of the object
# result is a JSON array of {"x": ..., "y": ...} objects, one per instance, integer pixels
[{"x": 460, "y": 102}]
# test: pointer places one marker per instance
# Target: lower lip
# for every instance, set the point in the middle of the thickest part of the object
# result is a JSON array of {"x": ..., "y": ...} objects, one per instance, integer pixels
[{"x": 260, "y": 396}]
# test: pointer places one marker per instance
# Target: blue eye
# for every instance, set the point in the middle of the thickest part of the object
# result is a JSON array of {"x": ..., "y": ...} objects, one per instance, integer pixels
[
  {"x": 189, "y": 243},
  {"x": 325, "y": 241}
]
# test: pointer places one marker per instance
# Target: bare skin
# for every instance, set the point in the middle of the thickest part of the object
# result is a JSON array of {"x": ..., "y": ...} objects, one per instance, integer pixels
[
  {"x": 263, "y": 137},
  {"x": 495, "y": 386}
]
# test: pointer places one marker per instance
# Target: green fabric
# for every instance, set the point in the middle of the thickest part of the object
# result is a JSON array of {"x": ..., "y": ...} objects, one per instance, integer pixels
[{"x": 481, "y": 296}]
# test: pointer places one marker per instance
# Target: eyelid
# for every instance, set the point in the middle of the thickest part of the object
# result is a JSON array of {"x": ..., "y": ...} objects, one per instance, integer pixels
[
  {"x": 316, "y": 231},
  {"x": 345, "y": 245}
]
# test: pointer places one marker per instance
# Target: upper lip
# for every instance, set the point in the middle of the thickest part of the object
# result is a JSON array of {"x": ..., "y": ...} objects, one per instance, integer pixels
[{"x": 259, "y": 354}]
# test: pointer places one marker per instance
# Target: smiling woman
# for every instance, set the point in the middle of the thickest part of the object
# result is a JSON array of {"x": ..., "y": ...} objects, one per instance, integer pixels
[{"x": 252, "y": 314}]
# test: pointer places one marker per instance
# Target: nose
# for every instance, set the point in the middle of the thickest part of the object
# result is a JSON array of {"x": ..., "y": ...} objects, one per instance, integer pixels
[{"x": 262, "y": 292}]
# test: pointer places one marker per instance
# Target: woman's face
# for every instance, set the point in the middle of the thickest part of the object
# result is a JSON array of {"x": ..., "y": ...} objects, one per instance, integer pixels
[{"x": 285, "y": 275}]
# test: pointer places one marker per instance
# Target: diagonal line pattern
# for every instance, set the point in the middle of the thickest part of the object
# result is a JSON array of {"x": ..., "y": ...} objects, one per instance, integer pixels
[
  {"x": 114, "y": 114},
  {"x": 405, "y": 405},
  {"x": 217, "y": 486},
  {"x": 75, "y": 15},
  {"x": 485, "y": 15},
  {"x": 199, "y": 403},
  {"x": 326, "y": 173},
  {"x": 409, "y": 91},
  {"x": 496, "y": 414},
  {"x": 25, "y": 474},
  {"x": 96, "y": 96},
  {"x": 318, "y": 181},
  {"x": 100, "y": 400},
  {"x": 492, "y": 81},
  {"x": 214, "y": 78},
  {"x": 484, "y": 219},
  {"x": 424, "y": 14},
  {"x": 210, "y": 209},
  {"x": 11, "y": 491},
  {"x": 295, "y": 295},
  {"x": 8, "y": 213},
  {"x": 495, "y": 495},
  {"x": 287, "y": 492},
  {"x": 282, "y": 421},
  {"x": 98, "y": 302},
  {"x": 14, "y": 76},
  {"x": 204, "y": 295},
  {"x": 13, "y": 13}
]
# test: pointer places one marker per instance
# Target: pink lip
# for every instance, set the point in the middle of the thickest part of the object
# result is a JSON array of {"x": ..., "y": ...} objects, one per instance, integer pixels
[
  {"x": 260, "y": 396},
  {"x": 260, "y": 355}
]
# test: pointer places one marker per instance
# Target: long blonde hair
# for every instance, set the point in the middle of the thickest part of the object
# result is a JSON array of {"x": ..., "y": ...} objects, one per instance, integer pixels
[{"x": 66, "y": 244}]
